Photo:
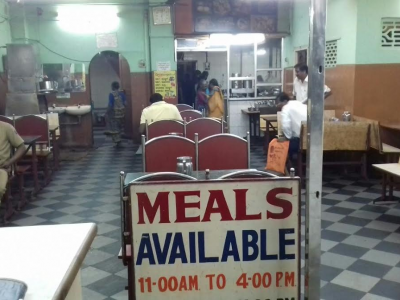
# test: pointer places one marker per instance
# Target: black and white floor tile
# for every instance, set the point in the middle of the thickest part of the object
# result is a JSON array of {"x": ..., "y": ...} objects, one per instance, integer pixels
[{"x": 360, "y": 240}]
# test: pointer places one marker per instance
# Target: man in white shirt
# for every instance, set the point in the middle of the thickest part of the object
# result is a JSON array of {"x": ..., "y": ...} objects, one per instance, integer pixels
[
  {"x": 157, "y": 111},
  {"x": 292, "y": 114},
  {"x": 300, "y": 84}
]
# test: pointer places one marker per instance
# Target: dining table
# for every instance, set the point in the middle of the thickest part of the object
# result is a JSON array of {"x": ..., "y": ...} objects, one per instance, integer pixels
[
  {"x": 47, "y": 258},
  {"x": 30, "y": 142}
]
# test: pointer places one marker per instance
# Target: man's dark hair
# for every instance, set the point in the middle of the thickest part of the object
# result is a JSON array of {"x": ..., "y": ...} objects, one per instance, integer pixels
[
  {"x": 156, "y": 98},
  {"x": 214, "y": 82},
  {"x": 282, "y": 97},
  {"x": 301, "y": 67},
  {"x": 115, "y": 85},
  {"x": 197, "y": 73}
]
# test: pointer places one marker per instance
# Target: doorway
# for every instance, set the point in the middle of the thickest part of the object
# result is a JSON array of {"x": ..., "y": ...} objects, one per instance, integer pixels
[
  {"x": 214, "y": 62},
  {"x": 105, "y": 68}
]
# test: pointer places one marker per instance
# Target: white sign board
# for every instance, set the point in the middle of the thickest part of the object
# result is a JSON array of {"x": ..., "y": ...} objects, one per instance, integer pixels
[
  {"x": 213, "y": 240},
  {"x": 107, "y": 40},
  {"x": 163, "y": 66}
]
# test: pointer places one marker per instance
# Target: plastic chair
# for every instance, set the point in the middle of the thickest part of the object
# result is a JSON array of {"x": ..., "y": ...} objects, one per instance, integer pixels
[
  {"x": 223, "y": 152},
  {"x": 159, "y": 154},
  {"x": 191, "y": 114},
  {"x": 182, "y": 107},
  {"x": 164, "y": 127},
  {"x": 204, "y": 127}
]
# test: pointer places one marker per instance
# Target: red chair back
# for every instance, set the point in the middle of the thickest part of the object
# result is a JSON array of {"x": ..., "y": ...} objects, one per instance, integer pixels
[
  {"x": 7, "y": 120},
  {"x": 191, "y": 114},
  {"x": 33, "y": 125},
  {"x": 204, "y": 127},
  {"x": 164, "y": 127},
  {"x": 160, "y": 154},
  {"x": 223, "y": 152},
  {"x": 182, "y": 107}
]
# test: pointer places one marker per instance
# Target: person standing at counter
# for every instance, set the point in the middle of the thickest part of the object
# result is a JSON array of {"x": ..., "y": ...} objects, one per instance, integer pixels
[
  {"x": 300, "y": 84},
  {"x": 202, "y": 98},
  {"x": 216, "y": 101},
  {"x": 116, "y": 113},
  {"x": 9, "y": 139},
  {"x": 292, "y": 114},
  {"x": 158, "y": 110}
]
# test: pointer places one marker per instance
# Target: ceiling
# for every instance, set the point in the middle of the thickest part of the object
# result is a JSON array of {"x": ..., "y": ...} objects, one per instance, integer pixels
[{"x": 52, "y": 2}]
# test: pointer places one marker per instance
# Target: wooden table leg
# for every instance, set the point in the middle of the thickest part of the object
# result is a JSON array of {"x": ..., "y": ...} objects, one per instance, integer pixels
[
  {"x": 391, "y": 182},
  {"x": 383, "y": 188},
  {"x": 34, "y": 169},
  {"x": 55, "y": 151}
]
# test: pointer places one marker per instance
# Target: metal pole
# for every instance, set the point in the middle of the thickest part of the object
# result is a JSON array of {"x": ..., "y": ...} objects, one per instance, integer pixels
[{"x": 316, "y": 82}]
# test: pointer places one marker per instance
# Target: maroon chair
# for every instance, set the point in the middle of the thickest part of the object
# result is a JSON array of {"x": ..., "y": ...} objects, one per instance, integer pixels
[
  {"x": 164, "y": 127},
  {"x": 8, "y": 120},
  {"x": 33, "y": 125},
  {"x": 204, "y": 127},
  {"x": 191, "y": 114},
  {"x": 223, "y": 152},
  {"x": 160, "y": 154},
  {"x": 182, "y": 107}
]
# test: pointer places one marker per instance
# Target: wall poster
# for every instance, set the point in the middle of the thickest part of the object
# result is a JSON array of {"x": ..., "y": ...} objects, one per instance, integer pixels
[
  {"x": 235, "y": 16},
  {"x": 238, "y": 239},
  {"x": 165, "y": 84}
]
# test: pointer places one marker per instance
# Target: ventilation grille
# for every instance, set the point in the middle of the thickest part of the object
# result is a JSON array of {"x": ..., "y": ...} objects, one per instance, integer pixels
[
  {"x": 390, "y": 32},
  {"x": 331, "y": 54}
]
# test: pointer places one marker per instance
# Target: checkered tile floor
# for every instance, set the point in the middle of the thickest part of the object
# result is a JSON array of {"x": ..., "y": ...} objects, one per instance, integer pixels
[{"x": 360, "y": 241}]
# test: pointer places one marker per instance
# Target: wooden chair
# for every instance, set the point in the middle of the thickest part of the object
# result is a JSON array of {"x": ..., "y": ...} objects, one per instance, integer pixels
[
  {"x": 204, "y": 127},
  {"x": 343, "y": 137},
  {"x": 37, "y": 126},
  {"x": 389, "y": 172},
  {"x": 164, "y": 127},
  {"x": 390, "y": 153},
  {"x": 160, "y": 154},
  {"x": 125, "y": 253},
  {"x": 223, "y": 152},
  {"x": 191, "y": 114},
  {"x": 182, "y": 107}
]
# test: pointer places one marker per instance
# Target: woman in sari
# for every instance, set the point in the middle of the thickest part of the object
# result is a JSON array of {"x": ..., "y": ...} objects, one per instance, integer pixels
[{"x": 216, "y": 101}]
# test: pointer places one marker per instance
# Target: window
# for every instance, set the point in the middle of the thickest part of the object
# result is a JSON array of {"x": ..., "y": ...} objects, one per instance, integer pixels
[
  {"x": 331, "y": 54},
  {"x": 390, "y": 32}
]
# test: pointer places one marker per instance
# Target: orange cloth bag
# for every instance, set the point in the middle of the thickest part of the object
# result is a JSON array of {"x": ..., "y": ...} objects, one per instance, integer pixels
[{"x": 277, "y": 156}]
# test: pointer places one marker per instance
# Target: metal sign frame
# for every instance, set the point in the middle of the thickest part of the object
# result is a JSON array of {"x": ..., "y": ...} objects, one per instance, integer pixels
[{"x": 297, "y": 183}]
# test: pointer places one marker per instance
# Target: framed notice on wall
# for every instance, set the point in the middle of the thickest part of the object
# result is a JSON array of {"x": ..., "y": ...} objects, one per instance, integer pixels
[
  {"x": 161, "y": 15},
  {"x": 215, "y": 240},
  {"x": 165, "y": 84}
]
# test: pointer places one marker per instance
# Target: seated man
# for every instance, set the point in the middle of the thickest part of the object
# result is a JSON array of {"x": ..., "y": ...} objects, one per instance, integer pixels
[
  {"x": 293, "y": 113},
  {"x": 8, "y": 138},
  {"x": 157, "y": 111}
]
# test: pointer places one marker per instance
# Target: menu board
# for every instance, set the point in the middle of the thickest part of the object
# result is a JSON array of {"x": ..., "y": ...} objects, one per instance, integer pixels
[
  {"x": 216, "y": 239},
  {"x": 231, "y": 16},
  {"x": 165, "y": 83}
]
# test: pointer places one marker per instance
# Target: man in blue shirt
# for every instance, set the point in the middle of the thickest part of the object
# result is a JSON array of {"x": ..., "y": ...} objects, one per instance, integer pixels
[{"x": 116, "y": 113}]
